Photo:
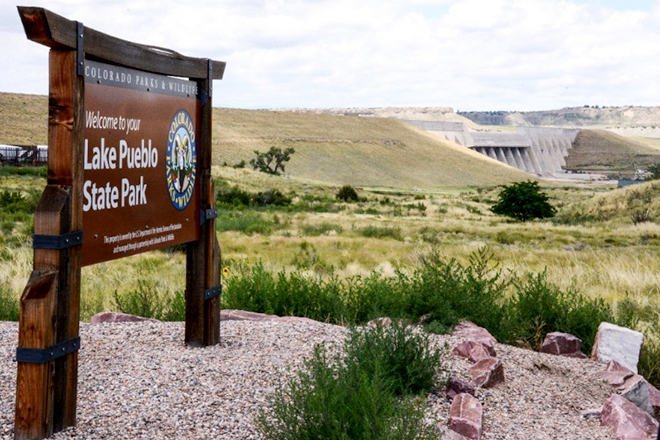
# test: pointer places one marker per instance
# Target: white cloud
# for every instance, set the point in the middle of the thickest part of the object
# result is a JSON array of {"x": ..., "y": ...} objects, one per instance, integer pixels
[{"x": 469, "y": 54}]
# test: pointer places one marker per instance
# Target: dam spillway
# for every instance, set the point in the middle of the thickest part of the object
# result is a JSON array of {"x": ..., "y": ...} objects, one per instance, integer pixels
[{"x": 536, "y": 150}]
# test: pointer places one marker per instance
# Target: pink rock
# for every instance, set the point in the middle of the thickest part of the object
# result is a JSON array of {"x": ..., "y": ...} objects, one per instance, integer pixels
[
  {"x": 456, "y": 386},
  {"x": 654, "y": 397},
  {"x": 626, "y": 421},
  {"x": 466, "y": 416},
  {"x": 615, "y": 366},
  {"x": 615, "y": 378},
  {"x": 104, "y": 317},
  {"x": 487, "y": 373},
  {"x": 383, "y": 322},
  {"x": 562, "y": 344},
  {"x": 475, "y": 351},
  {"x": 242, "y": 315},
  {"x": 471, "y": 331},
  {"x": 592, "y": 412}
]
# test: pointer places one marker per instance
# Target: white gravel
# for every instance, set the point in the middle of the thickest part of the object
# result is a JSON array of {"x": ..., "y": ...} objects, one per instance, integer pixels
[{"x": 138, "y": 380}]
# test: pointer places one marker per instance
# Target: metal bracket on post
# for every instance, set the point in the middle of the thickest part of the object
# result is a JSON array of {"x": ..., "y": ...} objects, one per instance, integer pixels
[
  {"x": 57, "y": 242},
  {"x": 209, "y": 77},
  {"x": 80, "y": 49},
  {"x": 207, "y": 214},
  {"x": 212, "y": 292},
  {"x": 43, "y": 355}
]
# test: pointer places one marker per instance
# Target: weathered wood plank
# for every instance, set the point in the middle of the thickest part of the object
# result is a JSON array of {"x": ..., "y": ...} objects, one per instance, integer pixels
[
  {"x": 34, "y": 402},
  {"x": 203, "y": 317},
  {"x": 46, "y": 393},
  {"x": 55, "y": 31}
]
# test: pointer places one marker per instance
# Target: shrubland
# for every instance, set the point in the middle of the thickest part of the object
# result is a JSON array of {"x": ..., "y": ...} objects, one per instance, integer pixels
[{"x": 432, "y": 256}]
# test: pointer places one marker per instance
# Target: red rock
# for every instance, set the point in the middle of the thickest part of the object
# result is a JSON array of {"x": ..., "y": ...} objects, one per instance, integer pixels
[
  {"x": 471, "y": 331},
  {"x": 105, "y": 317},
  {"x": 615, "y": 378},
  {"x": 487, "y": 373},
  {"x": 475, "y": 351},
  {"x": 563, "y": 344},
  {"x": 456, "y": 386},
  {"x": 466, "y": 416},
  {"x": 626, "y": 421}
]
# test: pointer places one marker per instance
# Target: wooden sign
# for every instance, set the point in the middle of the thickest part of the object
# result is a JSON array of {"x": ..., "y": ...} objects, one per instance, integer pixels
[
  {"x": 129, "y": 170},
  {"x": 140, "y": 189}
]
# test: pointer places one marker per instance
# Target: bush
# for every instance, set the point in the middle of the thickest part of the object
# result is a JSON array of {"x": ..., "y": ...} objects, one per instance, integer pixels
[
  {"x": 348, "y": 194},
  {"x": 9, "y": 309},
  {"x": 523, "y": 201},
  {"x": 271, "y": 197},
  {"x": 401, "y": 355},
  {"x": 355, "y": 396},
  {"x": 148, "y": 303},
  {"x": 382, "y": 232}
]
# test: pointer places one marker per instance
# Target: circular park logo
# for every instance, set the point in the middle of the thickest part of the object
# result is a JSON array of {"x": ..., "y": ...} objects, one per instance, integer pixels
[{"x": 181, "y": 160}]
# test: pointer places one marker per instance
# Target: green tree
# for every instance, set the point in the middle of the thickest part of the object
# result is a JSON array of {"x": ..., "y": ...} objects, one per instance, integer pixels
[
  {"x": 272, "y": 161},
  {"x": 523, "y": 201},
  {"x": 654, "y": 170}
]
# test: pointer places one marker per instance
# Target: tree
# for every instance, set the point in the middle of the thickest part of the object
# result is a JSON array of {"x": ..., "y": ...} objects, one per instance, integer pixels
[
  {"x": 272, "y": 161},
  {"x": 523, "y": 201},
  {"x": 654, "y": 170}
]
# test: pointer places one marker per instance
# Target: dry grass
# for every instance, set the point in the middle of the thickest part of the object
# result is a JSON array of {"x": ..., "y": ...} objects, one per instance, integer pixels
[{"x": 604, "y": 150}]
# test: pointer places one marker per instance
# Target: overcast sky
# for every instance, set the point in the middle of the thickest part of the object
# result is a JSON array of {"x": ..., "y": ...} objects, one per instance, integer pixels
[{"x": 465, "y": 54}]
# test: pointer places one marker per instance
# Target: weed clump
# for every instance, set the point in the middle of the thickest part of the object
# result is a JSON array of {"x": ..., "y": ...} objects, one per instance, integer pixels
[
  {"x": 147, "y": 302},
  {"x": 371, "y": 392}
]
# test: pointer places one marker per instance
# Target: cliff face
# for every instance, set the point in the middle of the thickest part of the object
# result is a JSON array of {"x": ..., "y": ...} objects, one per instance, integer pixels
[{"x": 612, "y": 117}]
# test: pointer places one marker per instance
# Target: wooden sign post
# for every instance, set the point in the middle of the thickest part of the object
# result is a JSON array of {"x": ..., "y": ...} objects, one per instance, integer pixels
[{"x": 129, "y": 170}]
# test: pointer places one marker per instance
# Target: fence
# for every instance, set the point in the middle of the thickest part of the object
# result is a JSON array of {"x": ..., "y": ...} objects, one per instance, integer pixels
[{"x": 23, "y": 155}]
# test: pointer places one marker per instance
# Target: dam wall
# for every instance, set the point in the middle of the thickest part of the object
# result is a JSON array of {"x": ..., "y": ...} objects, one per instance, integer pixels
[{"x": 536, "y": 150}]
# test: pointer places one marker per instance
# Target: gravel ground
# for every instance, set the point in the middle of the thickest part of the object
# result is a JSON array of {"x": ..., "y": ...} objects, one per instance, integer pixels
[{"x": 138, "y": 380}]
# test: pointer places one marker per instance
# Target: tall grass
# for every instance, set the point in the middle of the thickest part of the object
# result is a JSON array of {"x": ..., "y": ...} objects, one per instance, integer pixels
[{"x": 516, "y": 309}]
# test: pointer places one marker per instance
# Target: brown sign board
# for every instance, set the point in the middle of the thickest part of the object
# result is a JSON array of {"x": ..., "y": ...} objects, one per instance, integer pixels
[{"x": 140, "y": 189}]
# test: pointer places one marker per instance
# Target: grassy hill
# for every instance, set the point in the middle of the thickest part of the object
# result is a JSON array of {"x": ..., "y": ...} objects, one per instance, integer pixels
[
  {"x": 354, "y": 150},
  {"x": 604, "y": 150},
  {"x": 363, "y": 151}
]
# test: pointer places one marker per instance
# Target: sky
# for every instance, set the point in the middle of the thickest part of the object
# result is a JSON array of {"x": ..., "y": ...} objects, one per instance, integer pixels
[{"x": 516, "y": 55}]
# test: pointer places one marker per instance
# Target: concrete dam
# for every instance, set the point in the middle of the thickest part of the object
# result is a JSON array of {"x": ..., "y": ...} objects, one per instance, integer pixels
[{"x": 536, "y": 150}]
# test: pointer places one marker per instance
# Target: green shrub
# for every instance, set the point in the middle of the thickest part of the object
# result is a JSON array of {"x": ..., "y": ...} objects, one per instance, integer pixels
[
  {"x": 147, "y": 302},
  {"x": 523, "y": 201},
  {"x": 400, "y": 354},
  {"x": 271, "y": 197},
  {"x": 348, "y": 194},
  {"x": 321, "y": 229},
  {"x": 538, "y": 308},
  {"x": 247, "y": 222},
  {"x": 355, "y": 396},
  {"x": 382, "y": 232},
  {"x": 233, "y": 196},
  {"x": 9, "y": 307}
]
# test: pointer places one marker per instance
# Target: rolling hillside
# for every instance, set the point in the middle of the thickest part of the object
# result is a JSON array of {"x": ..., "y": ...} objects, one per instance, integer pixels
[
  {"x": 604, "y": 150},
  {"x": 334, "y": 149}
]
